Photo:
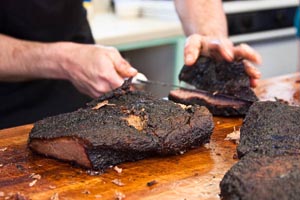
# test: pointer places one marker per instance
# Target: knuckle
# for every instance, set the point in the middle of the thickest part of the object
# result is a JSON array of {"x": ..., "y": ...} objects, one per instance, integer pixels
[
  {"x": 101, "y": 88},
  {"x": 245, "y": 47},
  {"x": 122, "y": 63},
  {"x": 195, "y": 37},
  {"x": 105, "y": 75},
  {"x": 113, "y": 49}
]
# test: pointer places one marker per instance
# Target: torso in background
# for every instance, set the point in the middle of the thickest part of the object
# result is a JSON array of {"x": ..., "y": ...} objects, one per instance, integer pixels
[{"x": 46, "y": 21}]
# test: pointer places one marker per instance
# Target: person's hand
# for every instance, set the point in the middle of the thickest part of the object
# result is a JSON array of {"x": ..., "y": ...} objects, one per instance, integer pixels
[
  {"x": 94, "y": 69},
  {"x": 222, "y": 49}
]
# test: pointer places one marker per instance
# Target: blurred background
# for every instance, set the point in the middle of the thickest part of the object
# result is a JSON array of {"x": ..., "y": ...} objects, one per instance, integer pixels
[{"x": 148, "y": 33}]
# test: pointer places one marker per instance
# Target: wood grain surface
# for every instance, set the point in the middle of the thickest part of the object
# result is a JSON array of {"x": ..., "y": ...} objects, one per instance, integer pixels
[{"x": 193, "y": 175}]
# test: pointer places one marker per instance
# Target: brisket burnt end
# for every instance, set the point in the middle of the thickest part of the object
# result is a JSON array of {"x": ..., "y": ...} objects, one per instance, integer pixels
[
  {"x": 120, "y": 126},
  {"x": 227, "y": 83}
]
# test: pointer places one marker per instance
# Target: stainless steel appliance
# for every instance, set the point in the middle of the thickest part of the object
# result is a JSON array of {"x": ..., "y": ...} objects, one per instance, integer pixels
[{"x": 267, "y": 25}]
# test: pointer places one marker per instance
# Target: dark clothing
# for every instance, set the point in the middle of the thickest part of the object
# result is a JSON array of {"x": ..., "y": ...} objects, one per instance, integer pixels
[{"x": 45, "y": 21}]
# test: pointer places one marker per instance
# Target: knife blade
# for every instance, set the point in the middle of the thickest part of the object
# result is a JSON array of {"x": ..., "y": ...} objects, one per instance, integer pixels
[
  {"x": 192, "y": 89},
  {"x": 151, "y": 82}
]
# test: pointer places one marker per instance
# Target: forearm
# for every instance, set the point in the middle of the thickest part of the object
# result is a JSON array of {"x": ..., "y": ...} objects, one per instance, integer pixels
[
  {"x": 23, "y": 60},
  {"x": 204, "y": 17}
]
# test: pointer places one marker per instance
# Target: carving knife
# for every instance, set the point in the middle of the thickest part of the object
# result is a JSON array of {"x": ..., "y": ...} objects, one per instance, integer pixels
[{"x": 191, "y": 89}]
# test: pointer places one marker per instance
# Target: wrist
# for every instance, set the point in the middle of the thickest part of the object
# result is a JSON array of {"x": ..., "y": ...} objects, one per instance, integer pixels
[
  {"x": 62, "y": 56},
  {"x": 52, "y": 58}
]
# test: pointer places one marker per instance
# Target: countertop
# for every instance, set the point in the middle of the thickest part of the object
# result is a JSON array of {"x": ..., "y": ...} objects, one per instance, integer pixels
[
  {"x": 159, "y": 21},
  {"x": 193, "y": 175},
  {"x": 109, "y": 29}
]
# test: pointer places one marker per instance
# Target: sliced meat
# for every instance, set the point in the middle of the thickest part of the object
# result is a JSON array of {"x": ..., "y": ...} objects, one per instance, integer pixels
[
  {"x": 271, "y": 128},
  {"x": 227, "y": 79},
  {"x": 120, "y": 126},
  {"x": 258, "y": 176},
  {"x": 217, "y": 104}
]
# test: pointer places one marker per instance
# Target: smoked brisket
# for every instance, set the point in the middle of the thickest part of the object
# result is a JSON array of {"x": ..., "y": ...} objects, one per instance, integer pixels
[
  {"x": 269, "y": 149},
  {"x": 220, "y": 105},
  {"x": 121, "y": 126},
  {"x": 271, "y": 128},
  {"x": 227, "y": 84},
  {"x": 258, "y": 176}
]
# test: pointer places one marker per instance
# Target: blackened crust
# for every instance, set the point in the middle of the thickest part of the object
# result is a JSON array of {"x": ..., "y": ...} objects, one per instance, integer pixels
[
  {"x": 271, "y": 128},
  {"x": 221, "y": 78},
  {"x": 258, "y": 176},
  {"x": 130, "y": 125}
]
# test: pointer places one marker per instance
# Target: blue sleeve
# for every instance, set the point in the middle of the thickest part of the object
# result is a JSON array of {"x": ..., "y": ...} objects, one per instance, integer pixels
[{"x": 297, "y": 21}]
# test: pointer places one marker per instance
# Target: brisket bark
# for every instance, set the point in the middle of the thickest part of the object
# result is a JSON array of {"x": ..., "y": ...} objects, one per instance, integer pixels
[
  {"x": 228, "y": 79},
  {"x": 269, "y": 149},
  {"x": 258, "y": 176},
  {"x": 271, "y": 128},
  {"x": 120, "y": 126}
]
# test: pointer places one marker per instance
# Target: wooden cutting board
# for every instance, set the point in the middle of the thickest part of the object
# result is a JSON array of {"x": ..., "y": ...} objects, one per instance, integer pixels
[{"x": 193, "y": 175}]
